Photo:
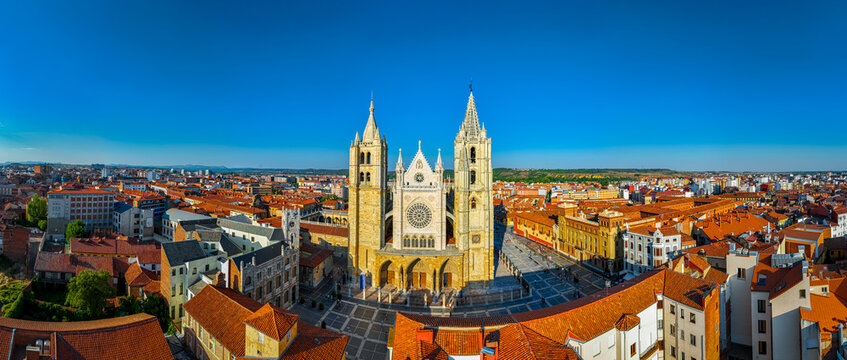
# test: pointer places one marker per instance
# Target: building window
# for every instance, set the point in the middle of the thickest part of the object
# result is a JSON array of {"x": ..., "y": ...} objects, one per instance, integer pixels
[
  {"x": 261, "y": 339},
  {"x": 803, "y": 293},
  {"x": 693, "y": 339},
  {"x": 673, "y": 330},
  {"x": 473, "y": 203},
  {"x": 673, "y": 351},
  {"x": 673, "y": 309},
  {"x": 632, "y": 350},
  {"x": 473, "y": 177},
  {"x": 761, "y": 305},
  {"x": 763, "y": 348},
  {"x": 473, "y": 155},
  {"x": 691, "y": 318},
  {"x": 742, "y": 273},
  {"x": 763, "y": 327},
  {"x": 368, "y": 160}
]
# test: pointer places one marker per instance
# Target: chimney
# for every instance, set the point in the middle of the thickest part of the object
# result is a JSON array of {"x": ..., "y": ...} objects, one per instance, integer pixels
[
  {"x": 840, "y": 334},
  {"x": 254, "y": 261},
  {"x": 731, "y": 246}
]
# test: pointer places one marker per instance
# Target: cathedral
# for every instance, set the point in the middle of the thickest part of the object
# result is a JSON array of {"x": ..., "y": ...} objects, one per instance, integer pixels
[{"x": 419, "y": 230}]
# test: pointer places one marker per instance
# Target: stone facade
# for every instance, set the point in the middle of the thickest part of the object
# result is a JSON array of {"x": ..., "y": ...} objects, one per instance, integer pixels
[{"x": 421, "y": 232}]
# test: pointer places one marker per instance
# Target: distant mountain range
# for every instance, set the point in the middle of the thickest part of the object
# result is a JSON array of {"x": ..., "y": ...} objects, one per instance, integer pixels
[{"x": 602, "y": 176}]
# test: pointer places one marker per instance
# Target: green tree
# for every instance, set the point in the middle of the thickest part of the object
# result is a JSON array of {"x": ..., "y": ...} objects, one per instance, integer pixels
[
  {"x": 42, "y": 224},
  {"x": 88, "y": 292},
  {"x": 75, "y": 229},
  {"x": 155, "y": 305},
  {"x": 36, "y": 210}
]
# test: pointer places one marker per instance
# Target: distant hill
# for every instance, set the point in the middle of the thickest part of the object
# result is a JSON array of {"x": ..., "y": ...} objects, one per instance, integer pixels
[{"x": 602, "y": 176}]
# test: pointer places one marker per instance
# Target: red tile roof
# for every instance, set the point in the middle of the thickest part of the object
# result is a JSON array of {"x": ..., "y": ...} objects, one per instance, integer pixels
[
  {"x": 128, "y": 337},
  {"x": 222, "y": 312},
  {"x": 314, "y": 343},
  {"x": 543, "y": 333},
  {"x": 325, "y": 229},
  {"x": 271, "y": 321}
]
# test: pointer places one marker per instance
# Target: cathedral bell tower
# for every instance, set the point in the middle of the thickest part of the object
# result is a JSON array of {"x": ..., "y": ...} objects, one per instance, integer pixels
[
  {"x": 473, "y": 208},
  {"x": 367, "y": 193}
]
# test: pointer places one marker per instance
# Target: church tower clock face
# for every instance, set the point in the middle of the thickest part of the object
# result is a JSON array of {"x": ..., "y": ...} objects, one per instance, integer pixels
[
  {"x": 419, "y": 177},
  {"x": 419, "y": 215}
]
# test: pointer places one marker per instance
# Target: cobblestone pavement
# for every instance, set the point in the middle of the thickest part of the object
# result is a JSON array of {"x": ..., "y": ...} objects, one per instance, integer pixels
[{"x": 368, "y": 323}]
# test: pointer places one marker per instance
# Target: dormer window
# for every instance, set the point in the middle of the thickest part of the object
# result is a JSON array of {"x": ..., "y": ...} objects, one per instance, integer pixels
[{"x": 761, "y": 280}]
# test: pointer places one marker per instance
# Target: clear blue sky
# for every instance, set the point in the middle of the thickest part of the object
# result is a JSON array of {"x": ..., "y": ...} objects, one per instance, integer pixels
[{"x": 703, "y": 85}]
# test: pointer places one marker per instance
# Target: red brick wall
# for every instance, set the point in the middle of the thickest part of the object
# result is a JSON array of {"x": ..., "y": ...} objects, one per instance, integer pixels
[{"x": 16, "y": 244}]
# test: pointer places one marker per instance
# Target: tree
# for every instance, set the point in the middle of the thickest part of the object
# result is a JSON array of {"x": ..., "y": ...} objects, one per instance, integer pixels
[
  {"x": 155, "y": 305},
  {"x": 88, "y": 292},
  {"x": 76, "y": 229},
  {"x": 36, "y": 210}
]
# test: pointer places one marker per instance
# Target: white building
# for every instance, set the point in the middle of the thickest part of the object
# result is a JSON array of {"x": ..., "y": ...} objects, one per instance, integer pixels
[
  {"x": 768, "y": 292},
  {"x": 647, "y": 247},
  {"x": 132, "y": 221}
]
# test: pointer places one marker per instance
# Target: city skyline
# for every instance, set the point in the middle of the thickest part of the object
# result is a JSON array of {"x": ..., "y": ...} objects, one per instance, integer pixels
[{"x": 600, "y": 85}]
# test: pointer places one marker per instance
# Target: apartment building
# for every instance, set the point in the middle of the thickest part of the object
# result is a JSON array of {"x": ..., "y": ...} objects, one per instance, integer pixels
[
  {"x": 66, "y": 204},
  {"x": 267, "y": 275},
  {"x": 132, "y": 221},
  {"x": 183, "y": 265},
  {"x": 649, "y": 246},
  {"x": 768, "y": 292},
  {"x": 173, "y": 217}
]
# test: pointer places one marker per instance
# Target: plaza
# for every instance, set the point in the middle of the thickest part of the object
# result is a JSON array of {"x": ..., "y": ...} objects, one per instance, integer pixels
[{"x": 368, "y": 322}]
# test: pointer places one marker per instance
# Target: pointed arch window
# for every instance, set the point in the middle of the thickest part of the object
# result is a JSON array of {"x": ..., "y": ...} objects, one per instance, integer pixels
[
  {"x": 473, "y": 203},
  {"x": 473, "y": 155},
  {"x": 473, "y": 177},
  {"x": 362, "y": 157},
  {"x": 368, "y": 177},
  {"x": 368, "y": 158},
  {"x": 361, "y": 177}
]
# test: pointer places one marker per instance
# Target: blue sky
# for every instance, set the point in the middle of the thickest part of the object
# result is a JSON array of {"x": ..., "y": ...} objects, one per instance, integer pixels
[{"x": 688, "y": 85}]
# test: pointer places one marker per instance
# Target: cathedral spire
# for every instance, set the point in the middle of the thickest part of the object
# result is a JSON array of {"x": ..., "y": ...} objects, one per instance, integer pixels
[
  {"x": 399, "y": 159},
  {"x": 438, "y": 164},
  {"x": 371, "y": 133},
  {"x": 471, "y": 123}
]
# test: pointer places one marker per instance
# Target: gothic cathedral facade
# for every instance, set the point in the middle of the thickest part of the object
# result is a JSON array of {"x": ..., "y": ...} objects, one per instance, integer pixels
[{"x": 420, "y": 231}]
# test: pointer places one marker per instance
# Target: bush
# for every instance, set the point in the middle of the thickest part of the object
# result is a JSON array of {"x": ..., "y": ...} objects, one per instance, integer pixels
[
  {"x": 321, "y": 306},
  {"x": 314, "y": 302},
  {"x": 302, "y": 300}
]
